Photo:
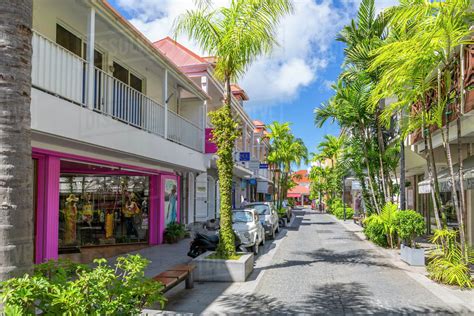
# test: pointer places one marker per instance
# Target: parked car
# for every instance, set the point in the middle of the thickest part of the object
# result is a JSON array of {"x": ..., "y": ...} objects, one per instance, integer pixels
[
  {"x": 289, "y": 210},
  {"x": 247, "y": 227},
  {"x": 268, "y": 217}
]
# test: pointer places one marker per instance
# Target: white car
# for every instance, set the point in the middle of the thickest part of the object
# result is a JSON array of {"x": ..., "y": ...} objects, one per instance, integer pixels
[
  {"x": 268, "y": 216},
  {"x": 247, "y": 227}
]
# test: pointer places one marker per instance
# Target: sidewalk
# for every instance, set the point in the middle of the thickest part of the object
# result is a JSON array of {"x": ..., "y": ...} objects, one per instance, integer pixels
[
  {"x": 447, "y": 294},
  {"x": 162, "y": 257}
]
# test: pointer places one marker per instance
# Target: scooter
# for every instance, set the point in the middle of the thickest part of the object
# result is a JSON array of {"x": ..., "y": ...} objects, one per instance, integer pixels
[{"x": 202, "y": 243}]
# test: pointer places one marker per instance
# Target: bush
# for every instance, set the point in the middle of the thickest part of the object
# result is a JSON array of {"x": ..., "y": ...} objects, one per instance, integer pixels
[
  {"x": 65, "y": 288},
  {"x": 374, "y": 230},
  {"x": 447, "y": 265},
  {"x": 174, "y": 232},
  {"x": 409, "y": 225},
  {"x": 333, "y": 204},
  {"x": 339, "y": 212}
]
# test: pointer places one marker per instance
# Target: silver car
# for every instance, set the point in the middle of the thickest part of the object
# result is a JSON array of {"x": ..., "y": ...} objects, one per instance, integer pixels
[
  {"x": 267, "y": 215},
  {"x": 247, "y": 227}
]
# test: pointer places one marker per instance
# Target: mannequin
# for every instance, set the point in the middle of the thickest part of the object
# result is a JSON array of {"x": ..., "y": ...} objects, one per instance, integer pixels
[{"x": 70, "y": 215}]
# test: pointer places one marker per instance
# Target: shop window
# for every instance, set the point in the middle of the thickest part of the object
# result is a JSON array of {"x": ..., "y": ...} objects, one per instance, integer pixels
[{"x": 102, "y": 210}]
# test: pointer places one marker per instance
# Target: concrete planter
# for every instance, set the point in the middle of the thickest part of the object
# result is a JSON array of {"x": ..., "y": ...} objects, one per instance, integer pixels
[
  {"x": 216, "y": 270},
  {"x": 412, "y": 256}
]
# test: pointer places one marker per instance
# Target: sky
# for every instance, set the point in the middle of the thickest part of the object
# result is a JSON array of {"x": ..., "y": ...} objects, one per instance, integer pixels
[{"x": 288, "y": 84}]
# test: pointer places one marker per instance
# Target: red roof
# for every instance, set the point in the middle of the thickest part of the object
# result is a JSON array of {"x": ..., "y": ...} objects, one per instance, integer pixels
[
  {"x": 301, "y": 176},
  {"x": 177, "y": 53},
  {"x": 298, "y": 190}
]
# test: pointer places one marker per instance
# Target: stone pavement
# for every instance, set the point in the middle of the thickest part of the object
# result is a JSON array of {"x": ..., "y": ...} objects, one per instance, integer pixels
[{"x": 320, "y": 266}]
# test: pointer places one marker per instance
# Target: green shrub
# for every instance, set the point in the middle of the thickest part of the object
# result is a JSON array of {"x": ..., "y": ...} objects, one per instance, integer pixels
[
  {"x": 446, "y": 264},
  {"x": 174, "y": 232},
  {"x": 383, "y": 225},
  {"x": 339, "y": 212},
  {"x": 64, "y": 288},
  {"x": 333, "y": 204},
  {"x": 409, "y": 225},
  {"x": 374, "y": 230}
]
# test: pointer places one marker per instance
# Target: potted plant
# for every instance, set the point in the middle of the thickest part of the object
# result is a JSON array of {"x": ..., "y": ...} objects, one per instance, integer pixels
[
  {"x": 174, "y": 232},
  {"x": 409, "y": 225}
]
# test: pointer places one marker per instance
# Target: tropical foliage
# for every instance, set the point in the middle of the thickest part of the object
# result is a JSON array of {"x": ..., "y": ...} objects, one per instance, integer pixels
[
  {"x": 236, "y": 35},
  {"x": 285, "y": 151},
  {"x": 401, "y": 76},
  {"x": 66, "y": 288}
]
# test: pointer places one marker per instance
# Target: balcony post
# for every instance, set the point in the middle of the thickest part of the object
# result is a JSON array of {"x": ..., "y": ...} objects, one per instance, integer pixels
[
  {"x": 204, "y": 88},
  {"x": 165, "y": 101},
  {"x": 90, "y": 58},
  {"x": 244, "y": 137}
]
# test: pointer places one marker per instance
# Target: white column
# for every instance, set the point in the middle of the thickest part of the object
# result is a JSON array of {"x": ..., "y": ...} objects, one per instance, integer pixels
[
  {"x": 244, "y": 137},
  {"x": 204, "y": 88},
  {"x": 90, "y": 58},
  {"x": 165, "y": 101},
  {"x": 252, "y": 145}
]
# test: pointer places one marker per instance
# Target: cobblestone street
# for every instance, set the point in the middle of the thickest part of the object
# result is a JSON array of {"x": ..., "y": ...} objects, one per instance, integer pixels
[{"x": 321, "y": 268}]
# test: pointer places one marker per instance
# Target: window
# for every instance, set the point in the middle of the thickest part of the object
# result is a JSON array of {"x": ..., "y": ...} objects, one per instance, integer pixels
[
  {"x": 136, "y": 83},
  {"x": 68, "y": 40},
  {"x": 121, "y": 73}
]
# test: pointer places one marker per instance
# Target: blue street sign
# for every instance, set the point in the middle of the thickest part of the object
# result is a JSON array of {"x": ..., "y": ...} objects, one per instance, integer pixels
[
  {"x": 253, "y": 181},
  {"x": 244, "y": 156},
  {"x": 263, "y": 166}
]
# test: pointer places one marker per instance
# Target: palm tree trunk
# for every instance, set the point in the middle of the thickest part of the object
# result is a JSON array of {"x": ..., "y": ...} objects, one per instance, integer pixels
[
  {"x": 369, "y": 174},
  {"x": 380, "y": 154},
  {"x": 225, "y": 166},
  {"x": 16, "y": 215},
  {"x": 431, "y": 180},
  {"x": 402, "y": 175}
]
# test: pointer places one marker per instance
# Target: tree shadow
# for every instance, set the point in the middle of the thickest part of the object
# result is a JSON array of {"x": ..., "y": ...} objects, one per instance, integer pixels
[
  {"x": 352, "y": 257},
  {"x": 329, "y": 299}
]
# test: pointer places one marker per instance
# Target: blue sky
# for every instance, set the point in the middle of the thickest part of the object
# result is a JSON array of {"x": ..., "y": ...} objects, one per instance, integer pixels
[{"x": 287, "y": 85}]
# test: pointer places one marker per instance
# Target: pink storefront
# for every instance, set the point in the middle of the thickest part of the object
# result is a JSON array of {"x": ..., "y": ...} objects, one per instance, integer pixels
[{"x": 84, "y": 203}]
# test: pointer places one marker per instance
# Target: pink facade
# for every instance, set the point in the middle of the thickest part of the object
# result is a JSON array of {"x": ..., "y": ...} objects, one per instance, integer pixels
[
  {"x": 210, "y": 147},
  {"x": 48, "y": 187}
]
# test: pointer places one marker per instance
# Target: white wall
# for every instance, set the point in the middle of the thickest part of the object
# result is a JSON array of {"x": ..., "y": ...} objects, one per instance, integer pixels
[{"x": 52, "y": 115}]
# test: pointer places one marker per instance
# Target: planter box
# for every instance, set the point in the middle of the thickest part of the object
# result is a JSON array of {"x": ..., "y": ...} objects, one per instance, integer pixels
[
  {"x": 216, "y": 270},
  {"x": 412, "y": 256}
]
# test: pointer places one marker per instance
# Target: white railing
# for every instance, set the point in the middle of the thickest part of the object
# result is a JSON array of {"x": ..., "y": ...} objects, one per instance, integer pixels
[
  {"x": 120, "y": 101},
  {"x": 60, "y": 72},
  {"x": 57, "y": 70},
  {"x": 185, "y": 132}
]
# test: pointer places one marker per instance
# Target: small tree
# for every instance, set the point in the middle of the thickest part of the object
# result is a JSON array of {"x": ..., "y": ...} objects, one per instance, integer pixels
[{"x": 236, "y": 35}]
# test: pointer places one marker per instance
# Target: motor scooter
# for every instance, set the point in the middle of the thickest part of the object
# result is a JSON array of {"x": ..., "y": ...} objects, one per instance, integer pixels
[{"x": 202, "y": 243}]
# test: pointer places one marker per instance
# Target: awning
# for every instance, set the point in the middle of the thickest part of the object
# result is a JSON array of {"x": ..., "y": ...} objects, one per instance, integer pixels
[
  {"x": 414, "y": 163},
  {"x": 294, "y": 195},
  {"x": 444, "y": 178}
]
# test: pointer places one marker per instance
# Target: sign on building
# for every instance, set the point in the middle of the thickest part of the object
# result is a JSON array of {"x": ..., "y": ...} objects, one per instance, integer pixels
[
  {"x": 263, "y": 166},
  {"x": 244, "y": 156}
]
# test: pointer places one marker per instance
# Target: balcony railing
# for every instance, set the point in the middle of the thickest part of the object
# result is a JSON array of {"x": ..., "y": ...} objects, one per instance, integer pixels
[
  {"x": 57, "y": 71},
  {"x": 185, "y": 132}
]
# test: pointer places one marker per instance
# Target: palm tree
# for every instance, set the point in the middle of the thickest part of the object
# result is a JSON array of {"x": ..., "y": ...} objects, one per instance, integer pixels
[
  {"x": 16, "y": 215},
  {"x": 236, "y": 35},
  {"x": 285, "y": 150},
  {"x": 417, "y": 66}
]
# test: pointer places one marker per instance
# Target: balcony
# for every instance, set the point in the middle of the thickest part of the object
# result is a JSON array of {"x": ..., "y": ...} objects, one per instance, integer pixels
[{"x": 61, "y": 73}]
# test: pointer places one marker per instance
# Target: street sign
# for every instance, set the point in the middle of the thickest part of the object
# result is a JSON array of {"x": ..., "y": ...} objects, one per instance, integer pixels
[
  {"x": 254, "y": 165},
  {"x": 263, "y": 166},
  {"x": 244, "y": 156},
  {"x": 253, "y": 181}
]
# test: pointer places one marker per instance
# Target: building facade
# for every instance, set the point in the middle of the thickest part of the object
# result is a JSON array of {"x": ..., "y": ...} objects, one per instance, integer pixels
[{"x": 116, "y": 128}]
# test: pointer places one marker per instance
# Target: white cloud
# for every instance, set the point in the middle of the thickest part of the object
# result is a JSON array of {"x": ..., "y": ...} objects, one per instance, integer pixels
[{"x": 304, "y": 37}]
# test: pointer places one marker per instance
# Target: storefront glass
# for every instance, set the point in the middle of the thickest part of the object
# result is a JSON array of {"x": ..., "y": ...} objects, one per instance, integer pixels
[{"x": 103, "y": 210}]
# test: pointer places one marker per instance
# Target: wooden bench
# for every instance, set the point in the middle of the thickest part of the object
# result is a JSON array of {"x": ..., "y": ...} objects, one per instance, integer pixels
[{"x": 174, "y": 276}]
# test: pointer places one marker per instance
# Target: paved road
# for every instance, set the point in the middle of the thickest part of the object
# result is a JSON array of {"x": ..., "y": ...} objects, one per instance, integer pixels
[{"x": 321, "y": 268}]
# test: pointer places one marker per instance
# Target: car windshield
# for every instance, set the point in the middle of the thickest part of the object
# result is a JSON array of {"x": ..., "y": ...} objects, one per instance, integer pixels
[
  {"x": 261, "y": 209},
  {"x": 241, "y": 217}
]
